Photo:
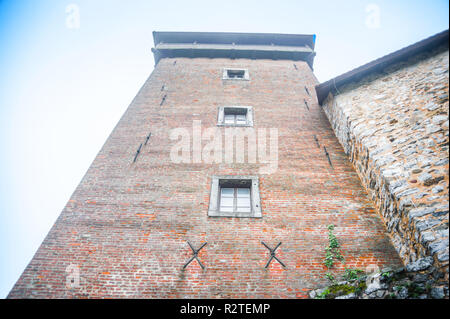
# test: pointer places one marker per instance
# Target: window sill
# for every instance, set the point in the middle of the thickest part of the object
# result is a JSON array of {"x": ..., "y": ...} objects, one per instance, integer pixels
[
  {"x": 215, "y": 213},
  {"x": 235, "y": 125}
]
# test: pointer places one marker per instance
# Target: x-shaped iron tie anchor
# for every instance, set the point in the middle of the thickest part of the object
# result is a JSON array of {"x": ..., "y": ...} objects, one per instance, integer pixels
[
  {"x": 195, "y": 256},
  {"x": 272, "y": 254}
]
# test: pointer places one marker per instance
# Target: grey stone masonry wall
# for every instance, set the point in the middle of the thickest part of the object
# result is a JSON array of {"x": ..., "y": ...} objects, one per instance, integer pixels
[{"x": 394, "y": 127}]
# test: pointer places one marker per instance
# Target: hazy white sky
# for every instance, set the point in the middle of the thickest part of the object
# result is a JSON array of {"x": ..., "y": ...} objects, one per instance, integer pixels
[{"x": 65, "y": 82}]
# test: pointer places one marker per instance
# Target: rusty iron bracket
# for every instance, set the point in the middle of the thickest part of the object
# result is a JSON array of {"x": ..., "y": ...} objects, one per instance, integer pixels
[
  {"x": 307, "y": 91},
  {"x": 163, "y": 99},
  {"x": 317, "y": 141},
  {"x": 272, "y": 254},
  {"x": 306, "y": 103},
  {"x": 137, "y": 153},
  {"x": 147, "y": 138},
  {"x": 328, "y": 156},
  {"x": 195, "y": 256}
]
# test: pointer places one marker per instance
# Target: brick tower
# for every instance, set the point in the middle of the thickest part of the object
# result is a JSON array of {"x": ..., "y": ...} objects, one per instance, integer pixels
[{"x": 165, "y": 180}]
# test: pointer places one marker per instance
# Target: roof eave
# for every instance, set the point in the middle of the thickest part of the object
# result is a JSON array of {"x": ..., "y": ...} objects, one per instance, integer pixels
[
  {"x": 234, "y": 45},
  {"x": 323, "y": 89}
]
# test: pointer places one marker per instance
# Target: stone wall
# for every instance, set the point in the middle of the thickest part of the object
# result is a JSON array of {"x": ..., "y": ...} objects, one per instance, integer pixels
[
  {"x": 394, "y": 127},
  {"x": 386, "y": 284}
]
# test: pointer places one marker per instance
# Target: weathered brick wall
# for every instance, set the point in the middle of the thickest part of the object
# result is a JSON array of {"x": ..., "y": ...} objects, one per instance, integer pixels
[
  {"x": 126, "y": 225},
  {"x": 394, "y": 127}
]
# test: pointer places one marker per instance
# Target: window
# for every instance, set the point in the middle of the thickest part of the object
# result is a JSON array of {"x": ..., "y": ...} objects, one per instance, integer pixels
[
  {"x": 235, "y": 196},
  {"x": 235, "y": 119},
  {"x": 235, "y": 199},
  {"x": 235, "y": 116},
  {"x": 235, "y": 74}
]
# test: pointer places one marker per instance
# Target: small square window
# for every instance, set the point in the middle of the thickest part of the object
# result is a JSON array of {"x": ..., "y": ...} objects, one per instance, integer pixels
[
  {"x": 235, "y": 199},
  {"x": 235, "y": 116},
  {"x": 235, "y": 196},
  {"x": 235, "y": 74}
]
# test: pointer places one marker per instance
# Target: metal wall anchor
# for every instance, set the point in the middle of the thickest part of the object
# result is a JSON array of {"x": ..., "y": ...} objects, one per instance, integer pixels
[
  {"x": 147, "y": 138},
  {"x": 317, "y": 141},
  {"x": 163, "y": 99},
  {"x": 328, "y": 156},
  {"x": 195, "y": 256},
  {"x": 162, "y": 88},
  {"x": 306, "y": 103},
  {"x": 272, "y": 254},
  {"x": 137, "y": 153}
]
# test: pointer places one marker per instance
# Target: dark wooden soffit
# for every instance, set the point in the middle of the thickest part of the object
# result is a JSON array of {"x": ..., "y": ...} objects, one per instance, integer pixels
[
  {"x": 234, "y": 45},
  {"x": 380, "y": 64}
]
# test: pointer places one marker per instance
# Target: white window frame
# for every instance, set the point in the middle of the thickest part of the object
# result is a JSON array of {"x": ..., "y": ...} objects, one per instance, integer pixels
[
  {"x": 241, "y": 181},
  {"x": 223, "y": 110},
  {"x": 235, "y": 196},
  {"x": 225, "y": 76}
]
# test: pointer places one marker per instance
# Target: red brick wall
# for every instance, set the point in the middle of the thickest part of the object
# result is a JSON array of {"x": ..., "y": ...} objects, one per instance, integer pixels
[{"x": 126, "y": 225}]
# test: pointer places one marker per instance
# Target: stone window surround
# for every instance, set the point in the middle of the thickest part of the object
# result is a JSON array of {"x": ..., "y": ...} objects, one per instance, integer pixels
[
  {"x": 249, "y": 115},
  {"x": 245, "y": 78},
  {"x": 214, "y": 209}
]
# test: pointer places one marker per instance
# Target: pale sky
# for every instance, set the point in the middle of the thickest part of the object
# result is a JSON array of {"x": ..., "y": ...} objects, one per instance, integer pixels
[{"x": 65, "y": 82}]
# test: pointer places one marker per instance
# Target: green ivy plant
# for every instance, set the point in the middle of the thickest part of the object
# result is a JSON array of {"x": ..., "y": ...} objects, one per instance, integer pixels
[
  {"x": 330, "y": 277},
  {"x": 332, "y": 251},
  {"x": 352, "y": 274}
]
